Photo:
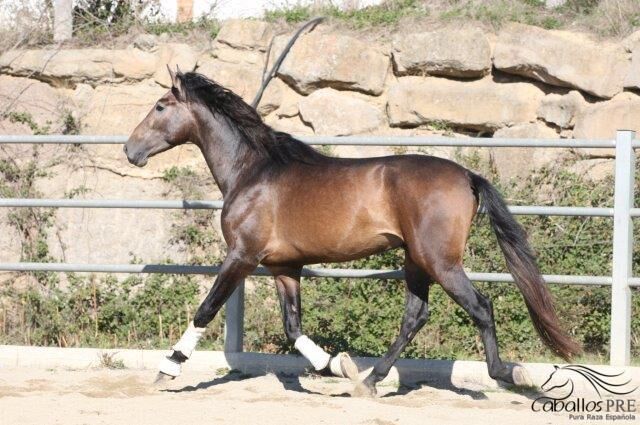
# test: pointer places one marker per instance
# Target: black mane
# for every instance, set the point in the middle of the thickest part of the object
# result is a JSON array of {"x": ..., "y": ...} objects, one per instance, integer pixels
[{"x": 280, "y": 147}]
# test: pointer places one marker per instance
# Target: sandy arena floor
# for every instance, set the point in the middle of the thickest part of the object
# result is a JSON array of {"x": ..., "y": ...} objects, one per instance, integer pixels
[{"x": 102, "y": 396}]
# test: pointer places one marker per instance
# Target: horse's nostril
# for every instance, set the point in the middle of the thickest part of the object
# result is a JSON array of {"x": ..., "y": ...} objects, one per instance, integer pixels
[{"x": 125, "y": 149}]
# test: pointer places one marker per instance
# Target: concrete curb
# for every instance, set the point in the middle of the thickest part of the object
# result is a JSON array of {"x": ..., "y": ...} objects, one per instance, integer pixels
[{"x": 470, "y": 375}]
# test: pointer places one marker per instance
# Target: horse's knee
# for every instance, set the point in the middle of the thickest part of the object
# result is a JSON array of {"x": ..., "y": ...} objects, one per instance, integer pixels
[
  {"x": 485, "y": 302},
  {"x": 423, "y": 316},
  {"x": 417, "y": 319},
  {"x": 414, "y": 325}
]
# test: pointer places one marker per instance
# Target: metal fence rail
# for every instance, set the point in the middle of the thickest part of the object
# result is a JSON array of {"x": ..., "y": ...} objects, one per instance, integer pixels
[
  {"x": 344, "y": 141},
  {"x": 622, "y": 213},
  {"x": 306, "y": 272},
  {"x": 217, "y": 205}
]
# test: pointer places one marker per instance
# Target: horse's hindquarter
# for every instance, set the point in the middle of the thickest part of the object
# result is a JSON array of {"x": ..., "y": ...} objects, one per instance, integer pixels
[{"x": 348, "y": 209}]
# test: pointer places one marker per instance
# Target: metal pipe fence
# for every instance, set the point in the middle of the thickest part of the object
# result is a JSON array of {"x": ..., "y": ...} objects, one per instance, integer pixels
[{"x": 622, "y": 212}]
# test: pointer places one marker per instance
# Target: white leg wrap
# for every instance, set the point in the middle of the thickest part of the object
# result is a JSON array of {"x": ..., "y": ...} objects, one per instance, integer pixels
[
  {"x": 316, "y": 355},
  {"x": 336, "y": 367},
  {"x": 170, "y": 368},
  {"x": 342, "y": 366},
  {"x": 189, "y": 340}
]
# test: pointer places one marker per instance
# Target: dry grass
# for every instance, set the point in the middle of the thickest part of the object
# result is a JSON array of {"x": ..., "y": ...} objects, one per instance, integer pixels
[
  {"x": 603, "y": 18},
  {"x": 109, "y": 361},
  {"x": 614, "y": 17},
  {"x": 25, "y": 26},
  {"x": 22, "y": 25}
]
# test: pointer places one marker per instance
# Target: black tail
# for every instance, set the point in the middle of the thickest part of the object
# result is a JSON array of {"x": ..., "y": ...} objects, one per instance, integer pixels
[{"x": 522, "y": 264}]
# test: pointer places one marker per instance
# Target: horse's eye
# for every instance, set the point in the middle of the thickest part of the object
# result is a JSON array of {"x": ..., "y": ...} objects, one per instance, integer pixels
[{"x": 159, "y": 108}]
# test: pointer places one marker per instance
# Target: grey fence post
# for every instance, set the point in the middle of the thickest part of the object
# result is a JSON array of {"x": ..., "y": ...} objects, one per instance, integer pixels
[
  {"x": 62, "y": 20},
  {"x": 234, "y": 321},
  {"x": 622, "y": 249}
]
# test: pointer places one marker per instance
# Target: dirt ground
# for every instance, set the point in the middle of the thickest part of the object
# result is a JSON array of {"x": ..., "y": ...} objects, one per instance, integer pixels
[{"x": 103, "y": 396}]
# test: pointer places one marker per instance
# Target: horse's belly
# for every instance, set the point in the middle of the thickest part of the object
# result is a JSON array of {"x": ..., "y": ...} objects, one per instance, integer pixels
[
  {"x": 341, "y": 222},
  {"x": 328, "y": 249}
]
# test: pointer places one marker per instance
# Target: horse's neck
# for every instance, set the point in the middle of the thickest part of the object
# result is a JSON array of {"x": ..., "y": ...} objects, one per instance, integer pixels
[{"x": 227, "y": 156}]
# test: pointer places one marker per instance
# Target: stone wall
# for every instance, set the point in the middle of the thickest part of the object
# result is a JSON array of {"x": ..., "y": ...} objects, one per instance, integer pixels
[{"x": 521, "y": 82}]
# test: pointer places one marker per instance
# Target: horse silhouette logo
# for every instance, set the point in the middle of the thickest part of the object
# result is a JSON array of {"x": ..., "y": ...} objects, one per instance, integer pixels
[{"x": 562, "y": 378}]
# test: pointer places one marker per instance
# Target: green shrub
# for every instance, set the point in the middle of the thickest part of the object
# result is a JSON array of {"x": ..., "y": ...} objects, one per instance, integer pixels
[{"x": 135, "y": 312}]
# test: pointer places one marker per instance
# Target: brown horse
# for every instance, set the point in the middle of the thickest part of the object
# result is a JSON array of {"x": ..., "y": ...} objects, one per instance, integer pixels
[{"x": 287, "y": 205}]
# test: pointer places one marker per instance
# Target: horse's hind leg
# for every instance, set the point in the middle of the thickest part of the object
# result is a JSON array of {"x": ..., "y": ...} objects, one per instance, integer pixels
[
  {"x": 456, "y": 283},
  {"x": 416, "y": 313},
  {"x": 288, "y": 287}
]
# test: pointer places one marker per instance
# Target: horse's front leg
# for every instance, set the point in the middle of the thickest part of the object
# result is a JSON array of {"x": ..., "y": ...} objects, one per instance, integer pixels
[
  {"x": 233, "y": 270},
  {"x": 288, "y": 286}
]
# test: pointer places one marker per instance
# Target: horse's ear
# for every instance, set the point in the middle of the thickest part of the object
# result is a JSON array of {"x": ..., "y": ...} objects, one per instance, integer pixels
[
  {"x": 176, "y": 82},
  {"x": 172, "y": 75}
]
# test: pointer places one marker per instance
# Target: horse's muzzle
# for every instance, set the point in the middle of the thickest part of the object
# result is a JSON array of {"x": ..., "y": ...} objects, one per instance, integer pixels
[{"x": 139, "y": 159}]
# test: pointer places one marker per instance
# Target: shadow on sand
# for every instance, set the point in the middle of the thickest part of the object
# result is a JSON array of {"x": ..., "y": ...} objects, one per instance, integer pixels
[
  {"x": 290, "y": 382},
  {"x": 411, "y": 376}
]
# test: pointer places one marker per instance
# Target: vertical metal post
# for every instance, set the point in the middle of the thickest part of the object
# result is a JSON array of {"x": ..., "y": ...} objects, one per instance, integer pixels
[
  {"x": 622, "y": 249},
  {"x": 234, "y": 321},
  {"x": 62, "y": 20}
]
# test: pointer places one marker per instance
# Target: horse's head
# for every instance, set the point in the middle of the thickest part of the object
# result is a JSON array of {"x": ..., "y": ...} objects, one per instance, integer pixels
[
  {"x": 558, "y": 379},
  {"x": 169, "y": 123}
]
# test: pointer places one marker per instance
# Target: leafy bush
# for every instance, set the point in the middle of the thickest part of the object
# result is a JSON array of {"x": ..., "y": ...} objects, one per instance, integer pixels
[{"x": 135, "y": 312}]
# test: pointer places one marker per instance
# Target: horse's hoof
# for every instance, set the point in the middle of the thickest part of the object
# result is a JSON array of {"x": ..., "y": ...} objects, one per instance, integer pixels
[
  {"x": 521, "y": 377},
  {"x": 162, "y": 378},
  {"x": 169, "y": 367},
  {"x": 363, "y": 390},
  {"x": 349, "y": 368}
]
